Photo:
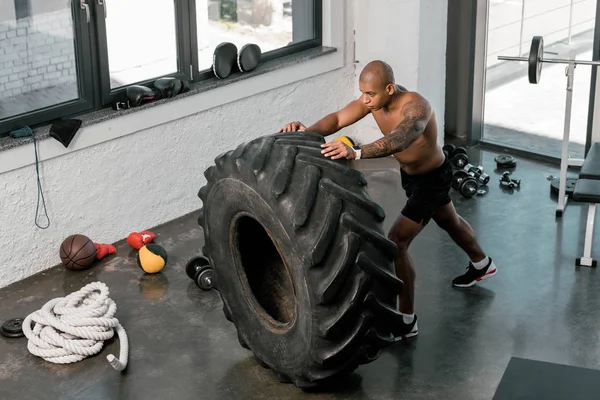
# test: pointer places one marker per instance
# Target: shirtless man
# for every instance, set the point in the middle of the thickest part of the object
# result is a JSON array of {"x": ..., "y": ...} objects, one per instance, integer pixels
[{"x": 410, "y": 135}]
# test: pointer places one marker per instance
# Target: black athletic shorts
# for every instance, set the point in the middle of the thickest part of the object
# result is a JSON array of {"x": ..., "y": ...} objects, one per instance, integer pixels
[{"x": 427, "y": 192}]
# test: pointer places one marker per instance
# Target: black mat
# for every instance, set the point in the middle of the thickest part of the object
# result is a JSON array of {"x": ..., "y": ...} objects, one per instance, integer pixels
[{"x": 529, "y": 380}]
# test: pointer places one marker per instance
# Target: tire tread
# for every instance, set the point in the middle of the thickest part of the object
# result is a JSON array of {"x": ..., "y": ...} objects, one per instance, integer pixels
[{"x": 350, "y": 261}]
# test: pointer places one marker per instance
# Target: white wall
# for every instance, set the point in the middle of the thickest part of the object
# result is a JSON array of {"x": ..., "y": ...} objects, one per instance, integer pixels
[
  {"x": 131, "y": 173},
  {"x": 410, "y": 35},
  {"x": 143, "y": 179},
  {"x": 107, "y": 187}
]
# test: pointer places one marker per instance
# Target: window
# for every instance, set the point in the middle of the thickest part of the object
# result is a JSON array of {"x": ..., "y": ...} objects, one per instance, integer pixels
[{"x": 62, "y": 58}]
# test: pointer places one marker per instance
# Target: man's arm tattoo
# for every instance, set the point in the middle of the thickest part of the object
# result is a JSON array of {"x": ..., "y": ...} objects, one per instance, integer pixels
[{"x": 416, "y": 116}]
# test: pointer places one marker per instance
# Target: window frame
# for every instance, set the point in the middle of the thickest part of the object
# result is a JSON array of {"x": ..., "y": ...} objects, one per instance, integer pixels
[
  {"x": 107, "y": 95},
  {"x": 83, "y": 49},
  {"x": 93, "y": 73},
  {"x": 203, "y": 74}
]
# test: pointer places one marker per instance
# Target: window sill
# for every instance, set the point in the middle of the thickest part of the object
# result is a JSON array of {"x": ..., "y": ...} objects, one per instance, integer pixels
[{"x": 108, "y": 124}]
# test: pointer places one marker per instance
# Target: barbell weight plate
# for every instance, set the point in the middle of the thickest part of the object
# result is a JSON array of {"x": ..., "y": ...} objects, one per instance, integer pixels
[
  {"x": 505, "y": 161},
  {"x": 569, "y": 186},
  {"x": 536, "y": 53},
  {"x": 13, "y": 328},
  {"x": 204, "y": 280}
]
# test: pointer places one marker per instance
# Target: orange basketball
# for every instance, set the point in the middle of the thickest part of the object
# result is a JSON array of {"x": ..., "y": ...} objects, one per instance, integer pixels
[{"x": 77, "y": 252}]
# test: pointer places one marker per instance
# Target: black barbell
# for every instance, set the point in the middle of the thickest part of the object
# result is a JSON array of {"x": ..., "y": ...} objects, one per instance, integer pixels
[{"x": 536, "y": 59}]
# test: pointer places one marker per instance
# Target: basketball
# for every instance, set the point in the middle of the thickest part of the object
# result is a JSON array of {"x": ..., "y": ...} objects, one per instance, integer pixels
[{"x": 77, "y": 252}]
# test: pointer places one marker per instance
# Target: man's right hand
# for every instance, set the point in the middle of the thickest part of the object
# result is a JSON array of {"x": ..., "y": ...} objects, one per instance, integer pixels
[{"x": 293, "y": 127}]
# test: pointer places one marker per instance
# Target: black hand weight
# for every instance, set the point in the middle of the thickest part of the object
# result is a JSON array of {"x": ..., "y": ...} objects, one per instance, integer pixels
[
  {"x": 199, "y": 270},
  {"x": 448, "y": 149},
  {"x": 465, "y": 183},
  {"x": 459, "y": 157}
]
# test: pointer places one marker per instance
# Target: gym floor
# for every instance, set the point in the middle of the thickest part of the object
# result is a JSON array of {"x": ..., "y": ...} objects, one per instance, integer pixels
[{"x": 539, "y": 306}]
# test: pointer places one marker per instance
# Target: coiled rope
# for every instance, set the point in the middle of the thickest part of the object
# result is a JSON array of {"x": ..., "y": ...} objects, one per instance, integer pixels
[{"x": 69, "y": 329}]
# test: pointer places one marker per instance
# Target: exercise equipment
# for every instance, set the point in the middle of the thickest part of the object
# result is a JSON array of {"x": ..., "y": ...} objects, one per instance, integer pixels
[
  {"x": 535, "y": 61},
  {"x": 68, "y": 329},
  {"x": 346, "y": 140},
  {"x": 506, "y": 180},
  {"x": 136, "y": 95},
  {"x": 171, "y": 87},
  {"x": 199, "y": 270},
  {"x": 137, "y": 240},
  {"x": 448, "y": 149},
  {"x": 478, "y": 173},
  {"x": 162, "y": 88},
  {"x": 588, "y": 191},
  {"x": 465, "y": 183},
  {"x": 248, "y": 57},
  {"x": 569, "y": 186},
  {"x": 103, "y": 250},
  {"x": 13, "y": 328},
  {"x": 224, "y": 59},
  {"x": 505, "y": 161},
  {"x": 152, "y": 258},
  {"x": 77, "y": 252},
  {"x": 24, "y": 132},
  {"x": 457, "y": 155},
  {"x": 299, "y": 257}
]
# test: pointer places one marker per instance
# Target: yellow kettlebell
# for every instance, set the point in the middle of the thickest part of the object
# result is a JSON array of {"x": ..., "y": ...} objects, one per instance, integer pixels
[{"x": 346, "y": 140}]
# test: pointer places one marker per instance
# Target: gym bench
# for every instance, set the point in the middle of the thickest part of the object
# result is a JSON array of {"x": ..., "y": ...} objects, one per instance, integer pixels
[{"x": 587, "y": 190}]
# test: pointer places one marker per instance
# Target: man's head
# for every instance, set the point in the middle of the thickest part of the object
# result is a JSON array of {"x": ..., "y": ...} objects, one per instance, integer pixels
[{"x": 377, "y": 84}]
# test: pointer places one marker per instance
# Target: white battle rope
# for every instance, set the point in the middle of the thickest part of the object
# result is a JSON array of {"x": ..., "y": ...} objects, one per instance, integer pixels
[{"x": 69, "y": 329}]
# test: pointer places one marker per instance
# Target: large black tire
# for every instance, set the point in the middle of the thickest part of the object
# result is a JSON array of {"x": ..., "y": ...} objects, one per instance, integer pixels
[{"x": 300, "y": 259}]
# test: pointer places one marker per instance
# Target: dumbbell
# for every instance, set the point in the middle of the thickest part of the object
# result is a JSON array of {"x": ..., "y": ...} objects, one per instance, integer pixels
[
  {"x": 199, "y": 270},
  {"x": 481, "y": 176},
  {"x": 465, "y": 183},
  {"x": 457, "y": 155},
  {"x": 448, "y": 149},
  {"x": 506, "y": 180}
]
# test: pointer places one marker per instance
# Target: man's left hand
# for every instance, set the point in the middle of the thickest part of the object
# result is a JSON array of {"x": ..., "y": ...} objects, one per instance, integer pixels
[{"x": 337, "y": 150}]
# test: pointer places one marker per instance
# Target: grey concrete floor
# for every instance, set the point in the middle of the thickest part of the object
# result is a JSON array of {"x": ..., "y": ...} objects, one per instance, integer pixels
[{"x": 539, "y": 306}]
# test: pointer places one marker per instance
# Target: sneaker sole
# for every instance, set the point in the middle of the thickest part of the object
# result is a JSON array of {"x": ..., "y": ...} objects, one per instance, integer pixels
[
  {"x": 488, "y": 275},
  {"x": 404, "y": 337}
]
